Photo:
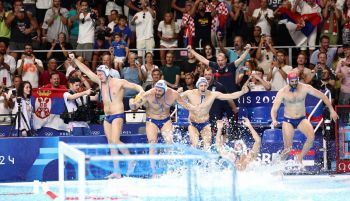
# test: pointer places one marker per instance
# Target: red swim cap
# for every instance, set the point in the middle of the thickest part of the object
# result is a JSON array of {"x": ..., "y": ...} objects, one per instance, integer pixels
[{"x": 292, "y": 75}]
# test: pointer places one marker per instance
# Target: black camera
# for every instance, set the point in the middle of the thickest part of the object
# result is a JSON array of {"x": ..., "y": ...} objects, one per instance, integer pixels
[{"x": 19, "y": 100}]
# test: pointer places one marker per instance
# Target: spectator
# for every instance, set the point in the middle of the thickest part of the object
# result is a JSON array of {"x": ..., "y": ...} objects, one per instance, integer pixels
[
  {"x": 5, "y": 31},
  {"x": 255, "y": 40},
  {"x": 202, "y": 23},
  {"x": 224, "y": 73},
  {"x": 324, "y": 80},
  {"x": 346, "y": 22},
  {"x": 263, "y": 17},
  {"x": 55, "y": 82},
  {"x": 73, "y": 24},
  {"x": 29, "y": 66},
  {"x": 86, "y": 34},
  {"x": 124, "y": 29},
  {"x": 209, "y": 52},
  {"x": 134, "y": 6},
  {"x": 188, "y": 66},
  {"x": 5, "y": 109},
  {"x": 60, "y": 47},
  {"x": 144, "y": 29},
  {"x": 343, "y": 74},
  {"x": 113, "y": 19},
  {"x": 156, "y": 76},
  {"x": 24, "y": 94},
  {"x": 108, "y": 61},
  {"x": 72, "y": 99},
  {"x": 256, "y": 81},
  {"x": 55, "y": 22},
  {"x": 308, "y": 7},
  {"x": 147, "y": 70},
  {"x": 180, "y": 8},
  {"x": 331, "y": 15},
  {"x": 168, "y": 34},
  {"x": 22, "y": 24},
  {"x": 171, "y": 72},
  {"x": 188, "y": 84},
  {"x": 132, "y": 74},
  {"x": 187, "y": 23},
  {"x": 239, "y": 19},
  {"x": 29, "y": 5},
  {"x": 7, "y": 65},
  {"x": 324, "y": 47},
  {"x": 120, "y": 50},
  {"x": 279, "y": 71},
  {"x": 237, "y": 52},
  {"x": 112, "y": 6},
  {"x": 44, "y": 78},
  {"x": 303, "y": 72},
  {"x": 219, "y": 18},
  {"x": 41, "y": 8},
  {"x": 199, "y": 71},
  {"x": 12, "y": 92},
  {"x": 100, "y": 45},
  {"x": 244, "y": 72},
  {"x": 265, "y": 53}
]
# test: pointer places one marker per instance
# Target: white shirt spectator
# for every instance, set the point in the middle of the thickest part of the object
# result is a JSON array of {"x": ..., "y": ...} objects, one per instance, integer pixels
[
  {"x": 30, "y": 72},
  {"x": 262, "y": 22},
  {"x": 278, "y": 82},
  {"x": 168, "y": 31},
  {"x": 111, "y": 5},
  {"x": 57, "y": 26},
  {"x": 4, "y": 110},
  {"x": 5, "y": 75},
  {"x": 305, "y": 8},
  {"x": 86, "y": 29},
  {"x": 149, "y": 73},
  {"x": 144, "y": 25}
]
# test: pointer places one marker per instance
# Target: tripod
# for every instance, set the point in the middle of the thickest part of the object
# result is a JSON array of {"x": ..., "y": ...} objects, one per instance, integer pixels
[{"x": 18, "y": 118}]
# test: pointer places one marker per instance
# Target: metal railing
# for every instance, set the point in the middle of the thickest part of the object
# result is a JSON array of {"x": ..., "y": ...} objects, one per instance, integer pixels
[{"x": 324, "y": 142}]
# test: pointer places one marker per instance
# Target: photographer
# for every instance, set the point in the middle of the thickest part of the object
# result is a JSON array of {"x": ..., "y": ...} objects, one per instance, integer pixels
[
  {"x": 86, "y": 35},
  {"x": 5, "y": 104},
  {"x": 23, "y": 106},
  {"x": 77, "y": 108}
]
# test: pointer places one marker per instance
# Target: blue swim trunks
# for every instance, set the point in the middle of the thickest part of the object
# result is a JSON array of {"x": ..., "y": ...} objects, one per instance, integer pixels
[
  {"x": 158, "y": 123},
  {"x": 199, "y": 126},
  {"x": 110, "y": 118},
  {"x": 294, "y": 122}
]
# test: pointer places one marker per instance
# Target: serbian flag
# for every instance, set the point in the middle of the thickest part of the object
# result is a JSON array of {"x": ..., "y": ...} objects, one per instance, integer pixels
[
  {"x": 48, "y": 105},
  {"x": 299, "y": 26}
]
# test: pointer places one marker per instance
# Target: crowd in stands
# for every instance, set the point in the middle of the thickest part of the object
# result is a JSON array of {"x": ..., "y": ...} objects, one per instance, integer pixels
[{"x": 105, "y": 32}]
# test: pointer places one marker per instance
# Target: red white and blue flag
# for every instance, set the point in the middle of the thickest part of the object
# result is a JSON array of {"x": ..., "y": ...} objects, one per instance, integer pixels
[
  {"x": 48, "y": 106},
  {"x": 299, "y": 26}
]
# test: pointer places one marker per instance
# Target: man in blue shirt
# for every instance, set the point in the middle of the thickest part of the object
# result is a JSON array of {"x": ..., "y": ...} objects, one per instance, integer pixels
[{"x": 236, "y": 53}]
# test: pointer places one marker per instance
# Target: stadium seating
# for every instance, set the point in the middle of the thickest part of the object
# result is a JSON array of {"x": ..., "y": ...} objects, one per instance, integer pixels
[{"x": 260, "y": 115}]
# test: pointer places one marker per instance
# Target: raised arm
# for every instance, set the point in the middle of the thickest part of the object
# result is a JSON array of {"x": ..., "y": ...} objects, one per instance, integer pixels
[
  {"x": 231, "y": 96},
  {"x": 198, "y": 56},
  {"x": 253, "y": 153},
  {"x": 276, "y": 105},
  {"x": 83, "y": 68},
  {"x": 314, "y": 92},
  {"x": 244, "y": 55},
  {"x": 139, "y": 100}
]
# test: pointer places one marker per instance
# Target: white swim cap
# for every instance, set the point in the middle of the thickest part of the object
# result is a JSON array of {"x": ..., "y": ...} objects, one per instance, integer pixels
[
  {"x": 161, "y": 84},
  {"x": 201, "y": 80},
  {"x": 244, "y": 147},
  {"x": 104, "y": 69}
]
